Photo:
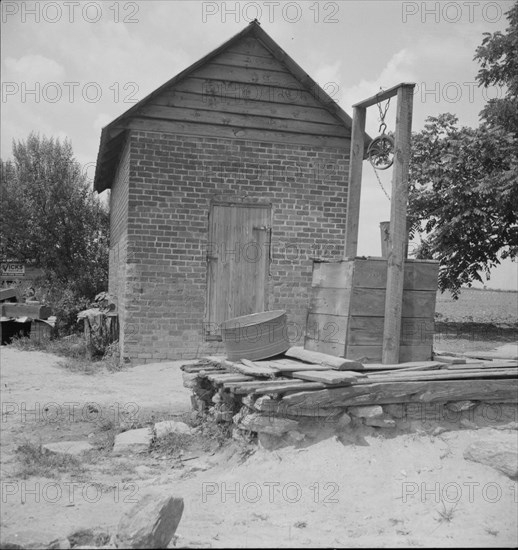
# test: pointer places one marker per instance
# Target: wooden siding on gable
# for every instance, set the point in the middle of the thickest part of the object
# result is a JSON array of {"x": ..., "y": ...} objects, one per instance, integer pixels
[{"x": 244, "y": 93}]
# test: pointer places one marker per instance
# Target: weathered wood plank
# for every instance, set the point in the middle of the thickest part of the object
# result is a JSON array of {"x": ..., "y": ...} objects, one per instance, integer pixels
[
  {"x": 283, "y": 388},
  {"x": 332, "y": 362},
  {"x": 219, "y": 379},
  {"x": 355, "y": 182},
  {"x": 251, "y": 75},
  {"x": 224, "y": 104},
  {"x": 410, "y": 365},
  {"x": 381, "y": 96},
  {"x": 244, "y": 133},
  {"x": 398, "y": 392},
  {"x": 249, "y": 61},
  {"x": 212, "y": 116},
  {"x": 332, "y": 274},
  {"x": 371, "y": 273},
  {"x": 332, "y": 301},
  {"x": 440, "y": 374},
  {"x": 329, "y": 377},
  {"x": 249, "y": 387},
  {"x": 277, "y": 408},
  {"x": 486, "y": 365},
  {"x": 369, "y": 331},
  {"x": 9, "y": 309},
  {"x": 331, "y": 329},
  {"x": 252, "y": 369},
  {"x": 449, "y": 359},
  {"x": 372, "y": 354},
  {"x": 239, "y": 93},
  {"x": 313, "y": 344},
  {"x": 295, "y": 368},
  {"x": 250, "y": 46},
  {"x": 371, "y": 302}
]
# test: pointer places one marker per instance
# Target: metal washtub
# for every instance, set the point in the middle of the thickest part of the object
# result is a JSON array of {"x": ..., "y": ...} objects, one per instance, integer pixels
[{"x": 256, "y": 336}]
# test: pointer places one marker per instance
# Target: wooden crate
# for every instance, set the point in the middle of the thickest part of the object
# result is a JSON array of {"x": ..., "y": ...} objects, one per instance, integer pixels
[{"x": 347, "y": 306}]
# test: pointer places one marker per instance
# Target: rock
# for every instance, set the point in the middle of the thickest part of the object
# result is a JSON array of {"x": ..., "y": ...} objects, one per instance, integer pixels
[
  {"x": 171, "y": 427},
  {"x": 261, "y": 403},
  {"x": 369, "y": 411},
  {"x": 343, "y": 420},
  {"x": 91, "y": 538},
  {"x": 189, "y": 379},
  {"x": 381, "y": 422},
  {"x": 74, "y": 448},
  {"x": 268, "y": 424},
  {"x": 459, "y": 406},
  {"x": 270, "y": 442},
  {"x": 28, "y": 538},
  {"x": 296, "y": 436},
  {"x": 500, "y": 454},
  {"x": 468, "y": 425},
  {"x": 60, "y": 544},
  {"x": 151, "y": 523},
  {"x": 132, "y": 441},
  {"x": 397, "y": 410}
]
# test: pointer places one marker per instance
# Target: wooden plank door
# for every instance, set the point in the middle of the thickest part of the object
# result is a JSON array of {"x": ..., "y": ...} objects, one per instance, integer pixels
[{"x": 238, "y": 260}]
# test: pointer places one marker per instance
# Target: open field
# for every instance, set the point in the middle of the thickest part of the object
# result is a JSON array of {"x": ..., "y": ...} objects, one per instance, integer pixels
[{"x": 479, "y": 306}]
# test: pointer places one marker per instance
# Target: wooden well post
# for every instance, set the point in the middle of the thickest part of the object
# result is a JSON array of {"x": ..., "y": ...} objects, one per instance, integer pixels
[{"x": 397, "y": 245}]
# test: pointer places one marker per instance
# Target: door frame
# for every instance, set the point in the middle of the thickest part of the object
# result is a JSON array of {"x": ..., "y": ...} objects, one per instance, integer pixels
[{"x": 245, "y": 202}]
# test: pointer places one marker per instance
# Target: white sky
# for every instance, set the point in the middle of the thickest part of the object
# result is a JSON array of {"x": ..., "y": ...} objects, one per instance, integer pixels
[{"x": 87, "y": 62}]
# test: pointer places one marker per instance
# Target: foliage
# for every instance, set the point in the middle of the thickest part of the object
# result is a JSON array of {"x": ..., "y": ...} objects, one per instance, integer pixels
[
  {"x": 51, "y": 218},
  {"x": 498, "y": 58},
  {"x": 464, "y": 181},
  {"x": 34, "y": 460},
  {"x": 464, "y": 198}
]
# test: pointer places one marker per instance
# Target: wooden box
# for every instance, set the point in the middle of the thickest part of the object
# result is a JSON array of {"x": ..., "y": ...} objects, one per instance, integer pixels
[{"x": 347, "y": 307}]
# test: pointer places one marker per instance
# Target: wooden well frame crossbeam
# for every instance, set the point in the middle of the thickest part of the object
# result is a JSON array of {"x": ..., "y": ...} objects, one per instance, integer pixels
[{"x": 398, "y": 238}]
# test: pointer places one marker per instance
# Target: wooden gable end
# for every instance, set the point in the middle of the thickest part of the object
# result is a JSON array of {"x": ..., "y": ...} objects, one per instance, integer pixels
[{"x": 244, "y": 92}]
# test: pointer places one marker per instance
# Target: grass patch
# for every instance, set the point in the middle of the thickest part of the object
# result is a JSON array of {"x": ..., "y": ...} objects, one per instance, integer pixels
[
  {"x": 34, "y": 460},
  {"x": 73, "y": 348}
]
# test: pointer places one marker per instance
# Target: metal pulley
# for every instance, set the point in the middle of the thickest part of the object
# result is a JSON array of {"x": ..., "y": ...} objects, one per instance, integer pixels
[{"x": 381, "y": 150}]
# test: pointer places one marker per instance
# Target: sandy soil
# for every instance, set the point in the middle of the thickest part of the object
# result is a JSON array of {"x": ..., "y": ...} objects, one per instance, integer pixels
[{"x": 380, "y": 490}]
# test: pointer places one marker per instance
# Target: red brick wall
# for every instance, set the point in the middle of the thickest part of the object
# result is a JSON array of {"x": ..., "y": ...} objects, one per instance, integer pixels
[
  {"x": 119, "y": 237},
  {"x": 172, "y": 182}
]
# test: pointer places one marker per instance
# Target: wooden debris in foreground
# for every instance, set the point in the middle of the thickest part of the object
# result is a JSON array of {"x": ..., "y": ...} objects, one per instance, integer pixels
[
  {"x": 329, "y": 377},
  {"x": 330, "y": 361},
  {"x": 402, "y": 392}
]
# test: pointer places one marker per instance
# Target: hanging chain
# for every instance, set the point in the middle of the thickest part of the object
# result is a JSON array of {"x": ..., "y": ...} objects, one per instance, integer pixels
[
  {"x": 383, "y": 114},
  {"x": 382, "y": 128},
  {"x": 380, "y": 184}
]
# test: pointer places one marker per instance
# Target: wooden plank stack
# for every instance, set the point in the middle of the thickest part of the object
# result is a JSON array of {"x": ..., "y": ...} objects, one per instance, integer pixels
[
  {"x": 319, "y": 382},
  {"x": 347, "y": 308}
]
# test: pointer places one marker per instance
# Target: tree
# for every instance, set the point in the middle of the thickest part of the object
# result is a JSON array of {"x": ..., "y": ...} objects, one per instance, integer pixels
[
  {"x": 464, "y": 198},
  {"x": 51, "y": 218},
  {"x": 464, "y": 181},
  {"x": 498, "y": 58}
]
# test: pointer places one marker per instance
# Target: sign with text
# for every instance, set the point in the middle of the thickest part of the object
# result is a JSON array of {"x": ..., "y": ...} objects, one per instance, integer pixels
[{"x": 12, "y": 269}]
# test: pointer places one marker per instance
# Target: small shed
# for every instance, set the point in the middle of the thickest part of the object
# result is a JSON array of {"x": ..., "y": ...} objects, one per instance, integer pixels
[{"x": 226, "y": 182}]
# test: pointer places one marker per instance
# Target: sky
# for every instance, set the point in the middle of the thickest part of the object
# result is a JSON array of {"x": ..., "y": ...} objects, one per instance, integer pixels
[{"x": 71, "y": 67}]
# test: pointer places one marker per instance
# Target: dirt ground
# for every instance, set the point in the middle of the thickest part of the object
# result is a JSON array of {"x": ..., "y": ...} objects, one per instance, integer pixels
[{"x": 381, "y": 490}]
